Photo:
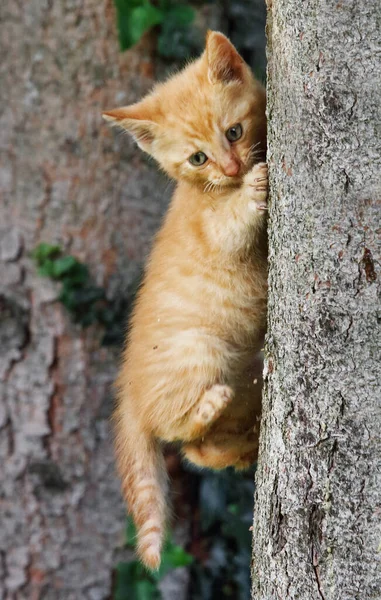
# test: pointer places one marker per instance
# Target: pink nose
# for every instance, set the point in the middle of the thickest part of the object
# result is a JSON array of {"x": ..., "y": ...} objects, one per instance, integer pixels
[{"x": 231, "y": 168}]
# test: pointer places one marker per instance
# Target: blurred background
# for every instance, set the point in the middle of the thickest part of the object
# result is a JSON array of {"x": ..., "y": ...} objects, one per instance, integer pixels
[{"x": 79, "y": 204}]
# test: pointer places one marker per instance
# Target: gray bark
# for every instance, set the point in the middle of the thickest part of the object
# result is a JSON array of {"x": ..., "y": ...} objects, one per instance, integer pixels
[
  {"x": 64, "y": 178},
  {"x": 317, "y": 524}
]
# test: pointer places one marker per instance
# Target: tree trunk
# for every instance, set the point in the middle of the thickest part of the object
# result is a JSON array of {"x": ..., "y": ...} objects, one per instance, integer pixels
[
  {"x": 317, "y": 517},
  {"x": 64, "y": 178}
]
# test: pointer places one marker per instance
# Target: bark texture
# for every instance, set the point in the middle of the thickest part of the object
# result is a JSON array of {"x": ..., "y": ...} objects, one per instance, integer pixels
[
  {"x": 64, "y": 178},
  {"x": 317, "y": 525}
]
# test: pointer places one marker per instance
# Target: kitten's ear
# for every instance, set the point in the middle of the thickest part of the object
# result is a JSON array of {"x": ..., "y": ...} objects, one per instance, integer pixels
[
  {"x": 136, "y": 119},
  {"x": 224, "y": 62}
]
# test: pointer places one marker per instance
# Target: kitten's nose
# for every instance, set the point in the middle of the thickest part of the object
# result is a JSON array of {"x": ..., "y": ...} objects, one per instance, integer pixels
[{"x": 231, "y": 167}]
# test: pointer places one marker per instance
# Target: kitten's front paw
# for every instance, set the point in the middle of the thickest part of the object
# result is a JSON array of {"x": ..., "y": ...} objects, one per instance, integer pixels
[{"x": 257, "y": 184}]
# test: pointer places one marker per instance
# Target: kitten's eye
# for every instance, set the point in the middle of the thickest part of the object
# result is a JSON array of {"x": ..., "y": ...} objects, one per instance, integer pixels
[
  {"x": 234, "y": 133},
  {"x": 197, "y": 159}
]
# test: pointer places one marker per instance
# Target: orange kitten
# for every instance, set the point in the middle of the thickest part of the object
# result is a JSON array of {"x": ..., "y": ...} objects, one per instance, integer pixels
[{"x": 188, "y": 367}]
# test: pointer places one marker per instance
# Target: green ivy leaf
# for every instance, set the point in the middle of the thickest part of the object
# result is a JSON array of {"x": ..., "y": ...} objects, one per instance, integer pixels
[
  {"x": 176, "y": 556},
  {"x": 46, "y": 268},
  {"x": 87, "y": 295},
  {"x": 86, "y": 302},
  {"x": 142, "y": 19},
  {"x": 180, "y": 15},
  {"x": 134, "y": 583},
  {"x": 63, "y": 265},
  {"x": 172, "y": 557},
  {"x": 44, "y": 251},
  {"x": 134, "y": 18},
  {"x": 78, "y": 274},
  {"x": 165, "y": 5},
  {"x": 146, "y": 590}
]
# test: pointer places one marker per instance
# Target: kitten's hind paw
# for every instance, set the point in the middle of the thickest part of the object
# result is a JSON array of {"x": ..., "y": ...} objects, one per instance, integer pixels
[
  {"x": 205, "y": 411},
  {"x": 256, "y": 183},
  {"x": 213, "y": 403}
]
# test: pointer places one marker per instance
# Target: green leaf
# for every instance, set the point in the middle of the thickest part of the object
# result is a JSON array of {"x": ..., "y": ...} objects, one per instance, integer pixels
[
  {"x": 79, "y": 296},
  {"x": 146, "y": 590},
  {"x": 63, "y": 265},
  {"x": 134, "y": 583},
  {"x": 78, "y": 274},
  {"x": 180, "y": 15},
  {"x": 173, "y": 556},
  {"x": 134, "y": 19},
  {"x": 44, "y": 251},
  {"x": 165, "y": 5},
  {"x": 67, "y": 296},
  {"x": 123, "y": 12},
  {"x": 84, "y": 296},
  {"x": 46, "y": 268},
  {"x": 177, "y": 556},
  {"x": 142, "y": 19}
]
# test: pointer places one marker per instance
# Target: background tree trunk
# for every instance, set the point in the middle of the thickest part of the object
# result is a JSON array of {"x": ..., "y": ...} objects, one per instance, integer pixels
[
  {"x": 65, "y": 178},
  {"x": 317, "y": 520}
]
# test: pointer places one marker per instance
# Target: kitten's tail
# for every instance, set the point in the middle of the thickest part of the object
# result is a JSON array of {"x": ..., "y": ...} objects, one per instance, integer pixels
[{"x": 141, "y": 466}]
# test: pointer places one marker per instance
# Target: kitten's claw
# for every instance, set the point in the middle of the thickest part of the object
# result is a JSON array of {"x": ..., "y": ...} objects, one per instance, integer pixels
[{"x": 256, "y": 181}]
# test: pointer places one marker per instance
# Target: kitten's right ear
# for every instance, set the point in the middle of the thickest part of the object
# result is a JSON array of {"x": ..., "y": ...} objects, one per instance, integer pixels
[
  {"x": 224, "y": 62},
  {"x": 136, "y": 120}
]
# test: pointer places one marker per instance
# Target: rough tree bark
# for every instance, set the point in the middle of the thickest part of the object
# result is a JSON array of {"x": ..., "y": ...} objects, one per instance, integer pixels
[
  {"x": 66, "y": 179},
  {"x": 317, "y": 520}
]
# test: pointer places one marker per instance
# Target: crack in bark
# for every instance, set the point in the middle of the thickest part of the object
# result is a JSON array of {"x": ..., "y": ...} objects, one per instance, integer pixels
[
  {"x": 47, "y": 192},
  {"x": 315, "y": 534},
  {"x": 331, "y": 457},
  {"x": 277, "y": 535},
  {"x": 316, "y": 571},
  {"x": 50, "y": 415},
  {"x": 347, "y": 182},
  {"x": 348, "y": 328}
]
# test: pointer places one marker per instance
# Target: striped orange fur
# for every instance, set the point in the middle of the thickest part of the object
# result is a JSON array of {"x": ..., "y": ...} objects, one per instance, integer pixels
[{"x": 188, "y": 372}]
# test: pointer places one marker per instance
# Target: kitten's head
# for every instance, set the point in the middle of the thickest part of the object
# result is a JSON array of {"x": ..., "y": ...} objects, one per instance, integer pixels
[{"x": 206, "y": 124}]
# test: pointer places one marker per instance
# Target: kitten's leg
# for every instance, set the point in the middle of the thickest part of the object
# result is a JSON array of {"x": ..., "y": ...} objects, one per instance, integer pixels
[
  {"x": 207, "y": 410},
  {"x": 237, "y": 450},
  {"x": 248, "y": 204},
  {"x": 237, "y": 222},
  {"x": 257, "y": 181}
]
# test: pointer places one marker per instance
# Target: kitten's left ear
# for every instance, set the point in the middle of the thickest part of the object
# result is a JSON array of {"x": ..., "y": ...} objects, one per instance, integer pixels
[
  {"x": 136, "y": 119},
  {"x": 224, "y": 62}
]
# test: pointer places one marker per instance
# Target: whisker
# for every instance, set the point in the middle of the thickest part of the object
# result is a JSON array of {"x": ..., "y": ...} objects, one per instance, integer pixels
[
  {"x": 254, "y": 146},
  {"x": 208, "y": 186},
  {"x": 253, "y": 153}
]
